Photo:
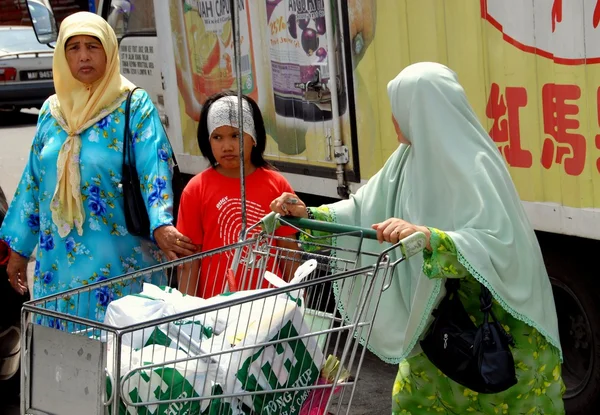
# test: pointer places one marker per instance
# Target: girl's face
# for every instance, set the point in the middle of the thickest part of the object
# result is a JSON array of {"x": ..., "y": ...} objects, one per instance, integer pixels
[{"x": 224, "y": 143}]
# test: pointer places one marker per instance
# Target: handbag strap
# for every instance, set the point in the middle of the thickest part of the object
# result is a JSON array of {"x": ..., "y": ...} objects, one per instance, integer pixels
[
  {"x": 128, "y": 154},
  {"x": 485, "y": 302}
]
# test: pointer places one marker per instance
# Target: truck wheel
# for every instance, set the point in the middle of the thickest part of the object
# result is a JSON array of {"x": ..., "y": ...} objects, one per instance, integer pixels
[{"x": 578, "y": 312}]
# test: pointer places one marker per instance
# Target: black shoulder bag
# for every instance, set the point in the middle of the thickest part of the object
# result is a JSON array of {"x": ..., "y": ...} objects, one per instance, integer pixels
[
  {"x": 136, "y": 213},
  {"x": 478, "y": 358}
]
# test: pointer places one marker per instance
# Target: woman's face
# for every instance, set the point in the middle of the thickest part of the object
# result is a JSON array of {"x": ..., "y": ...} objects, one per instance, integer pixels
[
  {"x": 224, "y": 143},
  {"x": 401, "y": 138},
  {"x": 86, "y": 58}
]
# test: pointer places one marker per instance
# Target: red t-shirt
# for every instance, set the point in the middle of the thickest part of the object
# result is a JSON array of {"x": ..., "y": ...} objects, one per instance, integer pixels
[{"x": 210, "y": 215}]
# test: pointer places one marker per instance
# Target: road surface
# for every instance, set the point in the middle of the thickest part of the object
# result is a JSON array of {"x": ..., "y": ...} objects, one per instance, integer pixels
[{"x": 373, "y": 396}]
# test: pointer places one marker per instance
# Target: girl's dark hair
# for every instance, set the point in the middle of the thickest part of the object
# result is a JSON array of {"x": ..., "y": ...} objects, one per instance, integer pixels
[{"x": 256, "y": 156}]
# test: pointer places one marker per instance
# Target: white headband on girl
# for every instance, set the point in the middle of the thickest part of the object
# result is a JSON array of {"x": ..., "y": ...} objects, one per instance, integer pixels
[{"x": 224, "y": 111}]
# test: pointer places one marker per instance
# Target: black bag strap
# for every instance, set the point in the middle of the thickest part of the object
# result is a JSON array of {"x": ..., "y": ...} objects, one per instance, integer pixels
[
  {"x": 485, "y": 302},
  {"x": 128, "y": 154}
]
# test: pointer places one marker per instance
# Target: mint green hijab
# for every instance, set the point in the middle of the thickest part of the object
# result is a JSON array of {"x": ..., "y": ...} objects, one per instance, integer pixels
[{"x": 451, "y": 178}]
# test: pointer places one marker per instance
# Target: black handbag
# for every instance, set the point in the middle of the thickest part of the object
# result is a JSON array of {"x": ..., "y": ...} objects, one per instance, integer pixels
[
  {"x": 478, "y": 358},
  {"x": 136, "y": 213}
]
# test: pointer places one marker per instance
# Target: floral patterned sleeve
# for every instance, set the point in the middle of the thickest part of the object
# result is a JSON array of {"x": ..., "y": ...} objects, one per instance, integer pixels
[
  {"x": 21, "y": 227},
  {"x": 441, "y": 261},
  {"x": 323, "y": 214},
  {"x": 154, "y": 160}
]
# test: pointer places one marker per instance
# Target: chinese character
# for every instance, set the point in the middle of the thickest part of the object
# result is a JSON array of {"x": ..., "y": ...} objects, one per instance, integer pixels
[
  {"x": 145, "y": 49},
  {"x": 506, "y": 131},
  {"x": 557, "y": 14},
  {"x": 557, "y": 125},
  {"x": 151, "y": 49}
]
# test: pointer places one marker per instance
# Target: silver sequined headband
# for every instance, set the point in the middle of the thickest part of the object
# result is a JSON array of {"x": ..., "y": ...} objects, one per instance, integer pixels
[{"x": 224, "y": 111}]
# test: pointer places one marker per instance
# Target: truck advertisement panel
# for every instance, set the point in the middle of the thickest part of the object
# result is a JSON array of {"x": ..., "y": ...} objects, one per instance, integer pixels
[{"x": 530, "y": 70}]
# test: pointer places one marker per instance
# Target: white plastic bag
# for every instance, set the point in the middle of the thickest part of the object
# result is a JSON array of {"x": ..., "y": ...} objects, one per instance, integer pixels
[
  {"x": 251, "y": 310},
  {"x": 188, "y": 332},
  {"x": 133, "y": 309}
]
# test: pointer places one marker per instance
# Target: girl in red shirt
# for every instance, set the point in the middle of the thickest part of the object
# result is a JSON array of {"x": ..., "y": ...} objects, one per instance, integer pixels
[{"x": 210, "y": 206}]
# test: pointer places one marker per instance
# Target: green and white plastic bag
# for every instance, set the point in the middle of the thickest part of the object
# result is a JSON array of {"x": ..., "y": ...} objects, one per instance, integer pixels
[
  {"x": 154, "y": 303},
  {"x": 171, "y": 381},
  {"x": 285, "y": 364}
]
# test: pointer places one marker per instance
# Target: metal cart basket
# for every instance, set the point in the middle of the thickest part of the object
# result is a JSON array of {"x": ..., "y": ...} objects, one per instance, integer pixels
[{"x": 278, "y": 350}]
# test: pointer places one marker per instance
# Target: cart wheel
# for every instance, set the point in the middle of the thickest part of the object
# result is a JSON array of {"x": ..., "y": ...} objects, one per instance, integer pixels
[{"x": 578, "y": 309}]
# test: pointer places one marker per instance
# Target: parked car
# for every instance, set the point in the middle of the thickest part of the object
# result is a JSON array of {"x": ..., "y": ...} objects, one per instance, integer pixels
[{"x": 25, "y": 69}]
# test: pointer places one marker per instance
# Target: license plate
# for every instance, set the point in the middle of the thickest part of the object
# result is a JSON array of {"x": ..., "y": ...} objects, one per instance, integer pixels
[{"x": 36, "y": 75}]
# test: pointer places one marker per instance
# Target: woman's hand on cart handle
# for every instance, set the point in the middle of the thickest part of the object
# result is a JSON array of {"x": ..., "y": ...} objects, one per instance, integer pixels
[
  {"x": 394, "y": 230},
  {"x": 288, "y": 204},
  {"x": 17, "y": 272},
  {"x": 173, "y": 243}
]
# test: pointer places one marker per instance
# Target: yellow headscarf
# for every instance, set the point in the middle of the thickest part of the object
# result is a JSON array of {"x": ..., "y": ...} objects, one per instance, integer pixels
[{"x": 77, "y": 106}]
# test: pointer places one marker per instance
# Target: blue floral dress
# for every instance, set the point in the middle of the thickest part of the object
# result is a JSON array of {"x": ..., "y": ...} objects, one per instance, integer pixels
[{"x": 106, "y": 249}]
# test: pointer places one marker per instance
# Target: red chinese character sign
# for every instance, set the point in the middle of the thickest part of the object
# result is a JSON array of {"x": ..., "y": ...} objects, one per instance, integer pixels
[
  {"x": 506, "y": 131},
  {"x": 562, "y": 145},
  {"x": 542, "y": 66},
  {"x": 566, "y": 32}
]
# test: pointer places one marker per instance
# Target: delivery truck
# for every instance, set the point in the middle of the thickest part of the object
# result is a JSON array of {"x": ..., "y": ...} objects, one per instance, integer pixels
[{"x": 319, "y": 69}]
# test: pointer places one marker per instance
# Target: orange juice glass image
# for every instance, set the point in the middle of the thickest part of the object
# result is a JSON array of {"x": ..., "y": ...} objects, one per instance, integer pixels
[{"x": 210, "y": 48}]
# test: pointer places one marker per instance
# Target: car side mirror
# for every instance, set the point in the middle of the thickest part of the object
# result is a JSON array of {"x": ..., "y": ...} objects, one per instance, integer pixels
[{"x": 44, "y": 23}]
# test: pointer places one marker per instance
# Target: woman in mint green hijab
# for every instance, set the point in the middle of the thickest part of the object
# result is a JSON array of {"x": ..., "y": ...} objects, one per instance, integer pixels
[{"x": 448, "y": 180}]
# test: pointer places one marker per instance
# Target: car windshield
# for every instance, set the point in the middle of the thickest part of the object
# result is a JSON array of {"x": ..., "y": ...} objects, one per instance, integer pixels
[{"x": 20, "y": 40}]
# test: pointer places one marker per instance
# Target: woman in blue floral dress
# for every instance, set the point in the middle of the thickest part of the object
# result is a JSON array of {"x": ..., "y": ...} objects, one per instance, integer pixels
[{"x": 69, "y": 202}]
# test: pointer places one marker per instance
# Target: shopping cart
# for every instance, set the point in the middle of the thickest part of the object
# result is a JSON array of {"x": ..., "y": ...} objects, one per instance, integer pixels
[{"x": 262, "y": 352}]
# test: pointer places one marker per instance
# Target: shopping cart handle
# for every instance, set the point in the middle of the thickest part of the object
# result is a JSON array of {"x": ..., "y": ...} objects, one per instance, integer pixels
[
  {"x": 334, "y": 228},
  {"x": 411, "y": 245}
]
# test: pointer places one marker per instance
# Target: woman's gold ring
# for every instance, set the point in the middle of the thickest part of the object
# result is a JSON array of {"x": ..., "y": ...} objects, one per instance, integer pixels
[{"x": 177, "y": 241}]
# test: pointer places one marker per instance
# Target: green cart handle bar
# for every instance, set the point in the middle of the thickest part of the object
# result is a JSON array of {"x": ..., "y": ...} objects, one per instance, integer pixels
[
  {"x": 410, "y": 245},
  {"x": 329, "y": 227}
]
